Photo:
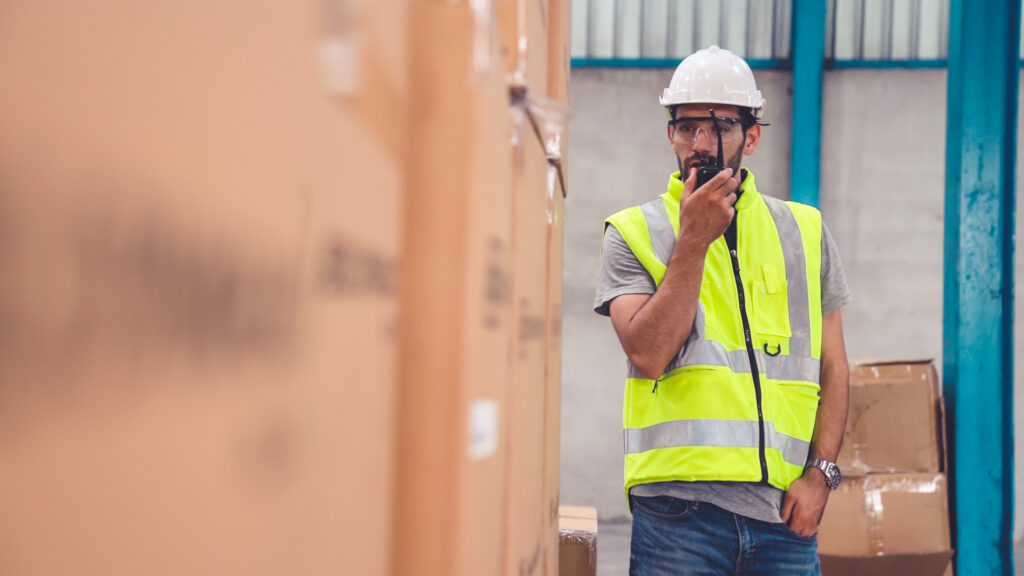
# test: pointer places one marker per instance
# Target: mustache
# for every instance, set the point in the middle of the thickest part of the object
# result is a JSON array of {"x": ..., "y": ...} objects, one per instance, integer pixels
[{"x": 701, "y": 160}]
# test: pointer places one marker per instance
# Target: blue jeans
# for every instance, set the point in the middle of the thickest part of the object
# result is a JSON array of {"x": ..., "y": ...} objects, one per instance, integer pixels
[{"x": 673, "y": 537}]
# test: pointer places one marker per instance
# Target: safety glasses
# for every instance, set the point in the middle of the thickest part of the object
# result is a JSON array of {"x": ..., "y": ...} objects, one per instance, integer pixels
[{"x": 687, "y": 130}]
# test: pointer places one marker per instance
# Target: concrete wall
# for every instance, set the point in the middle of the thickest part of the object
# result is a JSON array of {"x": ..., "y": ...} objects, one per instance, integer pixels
[{"x": 883, "y": 152}]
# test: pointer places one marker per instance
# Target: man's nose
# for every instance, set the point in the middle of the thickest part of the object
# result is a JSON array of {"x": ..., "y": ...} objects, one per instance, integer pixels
[{"x": 703, "y": 140}]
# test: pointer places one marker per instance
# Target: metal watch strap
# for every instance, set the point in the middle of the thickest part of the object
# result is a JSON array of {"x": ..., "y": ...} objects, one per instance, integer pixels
[{"x": 829, "y": 469}]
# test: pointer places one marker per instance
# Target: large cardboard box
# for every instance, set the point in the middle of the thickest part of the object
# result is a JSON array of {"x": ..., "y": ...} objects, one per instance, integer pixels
[
  {"x": 487, "y": 330},
  {"x": 457, "y": 300},
  {"x": 538, "y": 202},
  {"x": 480, "y": 387},
  {"x": 531, "y": 541},
  {"x": 200, "y": 238},
  {"x": 895, "y": 419},
  {"x": 886, "y": 524},
  {"x": 577, "y": 541},
  {"x": 553, "y": 370}
]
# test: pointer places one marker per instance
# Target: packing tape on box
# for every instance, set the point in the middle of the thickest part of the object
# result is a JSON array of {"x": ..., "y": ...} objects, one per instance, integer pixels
[
  {"x": 483, "y": 24},
  {"x": 547, "y": 120},
  {"x": 874, "y": 489},
  {"x": 876, "y": 518},
  {"x": 341, "y": 49},
  {"x": 554, "y": 176},
  {"x": 855, "y": 451},
  {"x": 355, "y": 70}
]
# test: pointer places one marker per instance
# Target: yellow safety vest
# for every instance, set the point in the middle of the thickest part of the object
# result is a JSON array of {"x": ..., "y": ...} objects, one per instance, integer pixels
[{"x": 714, "y": 414}]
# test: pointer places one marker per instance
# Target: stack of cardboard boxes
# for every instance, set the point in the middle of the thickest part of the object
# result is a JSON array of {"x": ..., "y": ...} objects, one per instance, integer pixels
[
  {"x": 281, "y": 286},
  {"x": 890, "y": 514}
]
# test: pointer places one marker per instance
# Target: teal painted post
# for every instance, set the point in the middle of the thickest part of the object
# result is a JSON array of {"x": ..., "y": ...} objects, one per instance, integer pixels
[
  {"x": 981, "y": 140},
  {"x": 808, "y": 49}
]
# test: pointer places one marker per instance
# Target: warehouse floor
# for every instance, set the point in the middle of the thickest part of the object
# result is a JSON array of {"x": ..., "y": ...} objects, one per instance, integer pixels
[{"x": 613, "y": 550}]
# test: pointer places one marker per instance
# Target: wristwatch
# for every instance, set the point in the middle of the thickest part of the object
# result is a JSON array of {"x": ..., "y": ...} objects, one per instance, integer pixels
[{"x": 832, "y": 475}]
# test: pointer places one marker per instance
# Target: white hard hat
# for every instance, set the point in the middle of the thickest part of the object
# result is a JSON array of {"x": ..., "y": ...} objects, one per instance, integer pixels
[{"x": 714, "y": 76}]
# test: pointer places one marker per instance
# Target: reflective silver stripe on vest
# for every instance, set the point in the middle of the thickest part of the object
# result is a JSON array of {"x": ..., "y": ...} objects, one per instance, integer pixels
[
  {"x": 663, "y": 236},
  {"x": 796, "y": 276},
  {"x": 717, "y": 433},
  {"x": 698, "y": 351},
  {"x": 701, "y": 352}
]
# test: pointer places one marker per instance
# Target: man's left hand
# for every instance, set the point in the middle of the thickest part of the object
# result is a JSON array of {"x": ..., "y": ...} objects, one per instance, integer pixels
[{"x": 805, "y": 502}]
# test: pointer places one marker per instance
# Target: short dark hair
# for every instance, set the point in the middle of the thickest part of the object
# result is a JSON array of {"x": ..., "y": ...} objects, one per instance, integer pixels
[{"x": 747, "y": 117}]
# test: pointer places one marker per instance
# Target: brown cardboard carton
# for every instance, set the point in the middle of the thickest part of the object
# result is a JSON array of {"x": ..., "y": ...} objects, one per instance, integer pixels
[
  {"x": 886, "y": 524},
  {"x": 917, "y": 564},
  {"x": 535, "y": 31},
  {"x": 559, "y": 64},
  {"x": 524, "y": 38},
  {"x": 486, "y": 335},
  {"x": 457, "y": 302},
  {"x": 577, "y": 541},
  {"x": 530, "y": 538},
  {"x": 535, "y": 394},
  {"x": 559, "y": 58},
  {"x": 895, "y": 419},
  {"x": 199, "y": 299},
  {"x": 553, "y": 369},
  {"x": 480, "y": 376}
]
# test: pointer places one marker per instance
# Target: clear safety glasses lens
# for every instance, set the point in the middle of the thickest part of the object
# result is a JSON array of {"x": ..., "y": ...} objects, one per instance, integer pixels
[{"x": 688, "y": 130}]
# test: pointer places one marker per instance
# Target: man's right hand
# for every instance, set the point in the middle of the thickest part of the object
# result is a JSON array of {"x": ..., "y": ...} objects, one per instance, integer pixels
[
  {"x": 652, "y": 329},
  {"x": 705, "y": 212}
]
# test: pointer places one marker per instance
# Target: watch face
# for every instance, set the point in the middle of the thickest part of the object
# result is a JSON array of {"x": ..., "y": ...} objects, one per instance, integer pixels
[{"x": 833, "y": 476}]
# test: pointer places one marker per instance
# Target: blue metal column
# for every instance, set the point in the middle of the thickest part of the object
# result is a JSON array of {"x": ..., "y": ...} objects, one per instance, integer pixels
[
  {"x": 808, "y": 49},
  {"x": 977, "y": 363}
]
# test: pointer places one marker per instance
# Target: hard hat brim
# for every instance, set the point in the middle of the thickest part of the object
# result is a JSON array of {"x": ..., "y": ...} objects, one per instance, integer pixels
[{"x": 757, "y": 111}]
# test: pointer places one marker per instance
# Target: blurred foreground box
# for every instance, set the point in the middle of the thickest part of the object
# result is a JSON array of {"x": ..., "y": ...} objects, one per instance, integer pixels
[
  {"x": 535, "y": 393},
  {"x": 481, "y": 303},
  {"x": 201, "y": 230},
  {"x": 281, "y": 287}
]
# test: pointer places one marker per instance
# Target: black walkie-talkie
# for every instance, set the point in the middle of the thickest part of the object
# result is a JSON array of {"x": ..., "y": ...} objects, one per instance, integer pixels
[{"x": 706, "y": 172}]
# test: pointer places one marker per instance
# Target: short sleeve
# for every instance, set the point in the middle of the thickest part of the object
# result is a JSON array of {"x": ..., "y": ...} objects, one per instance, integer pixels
[
  {"x": 621, "y": 272},
  {"x": 834, "y": 292}
]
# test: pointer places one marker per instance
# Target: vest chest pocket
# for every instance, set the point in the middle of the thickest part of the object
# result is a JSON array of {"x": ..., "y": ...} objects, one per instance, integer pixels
[{"x": 769, "y": 312}]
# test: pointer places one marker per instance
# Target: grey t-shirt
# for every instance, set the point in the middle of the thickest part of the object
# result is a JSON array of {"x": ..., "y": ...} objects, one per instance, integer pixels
[{"x": 621, "y": 273}]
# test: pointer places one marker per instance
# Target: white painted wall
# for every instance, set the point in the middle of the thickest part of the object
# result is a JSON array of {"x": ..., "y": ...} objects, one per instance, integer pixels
[{"x": 883, "y": 152}]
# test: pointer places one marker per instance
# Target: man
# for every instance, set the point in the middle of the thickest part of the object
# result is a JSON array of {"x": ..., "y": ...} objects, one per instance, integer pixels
[{"x": 727, "y": 304}]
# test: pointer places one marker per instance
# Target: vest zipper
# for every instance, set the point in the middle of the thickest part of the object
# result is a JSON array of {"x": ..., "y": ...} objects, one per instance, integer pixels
[{"x": 730, "y": 240}]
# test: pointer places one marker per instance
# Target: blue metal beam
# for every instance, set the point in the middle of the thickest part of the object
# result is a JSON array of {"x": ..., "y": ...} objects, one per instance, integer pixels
[
  {"x": 981, "y": 140},
  {"x": 808, "y": 49},
  {"x": 884, "y": 64},
  {"x": 756, "y": 64},
  {"x": 762, "y": 64}
]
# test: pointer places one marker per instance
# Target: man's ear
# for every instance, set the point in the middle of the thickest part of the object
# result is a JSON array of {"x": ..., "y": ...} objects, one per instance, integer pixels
[{"x": 753, "y": 137}]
